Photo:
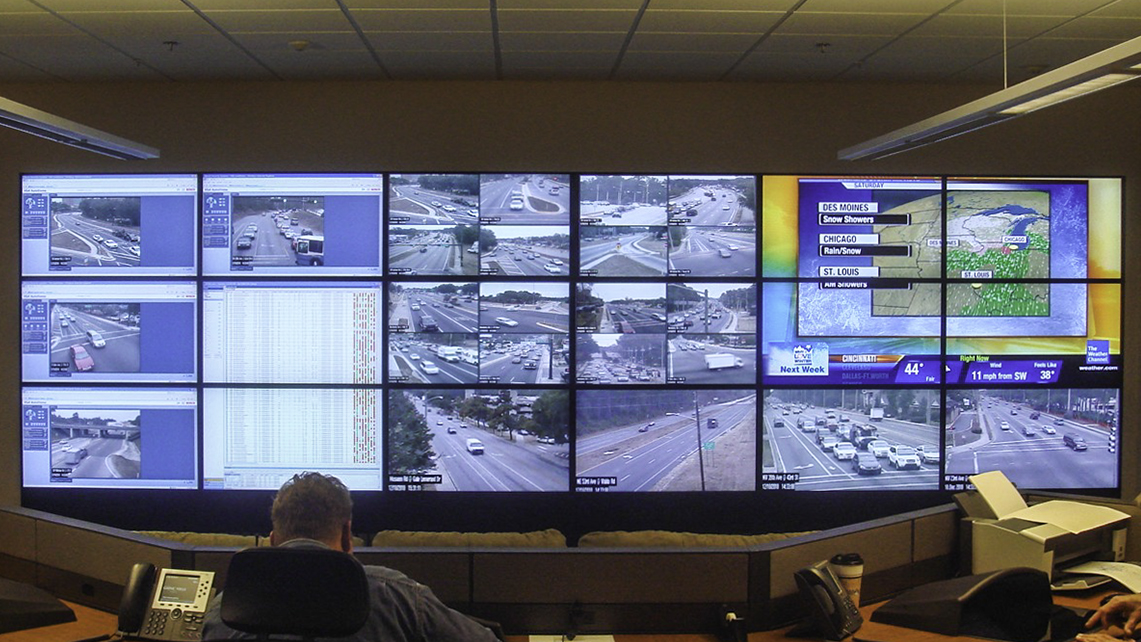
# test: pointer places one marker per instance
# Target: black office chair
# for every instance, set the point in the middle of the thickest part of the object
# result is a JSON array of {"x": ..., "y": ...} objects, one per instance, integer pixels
[{"x": 306, "y": 592}]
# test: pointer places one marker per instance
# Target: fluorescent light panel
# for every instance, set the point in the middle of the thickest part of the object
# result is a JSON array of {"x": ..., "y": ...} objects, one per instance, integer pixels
[
  {"x": 32, "y": 121},
  {"x": 1113, "y": 66}
]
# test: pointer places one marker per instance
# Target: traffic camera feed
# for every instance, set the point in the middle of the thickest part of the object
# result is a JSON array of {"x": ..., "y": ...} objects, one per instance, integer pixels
[
  {"x": 524, "y": 308},
  {"x": 523, "y": 359},
  {"x": 268, "y": 231},
  {"x": 525, "y": 250},
  {"x": 851, "y": 439},
  {"x": 96, "y": 443},
  {"x": 433, "y": 249},
  {"x": 478, "y": 440},
  {"x": 94, "y": 337},
  {"x": 524, "y": 199},
  {"x": 433, "y": 357},
  {"x": 665, "y": 440},
  {"x": 96, "y": 231},
  {"x": 450, "y": 307},
  {"x": 1053, "y": 438}
]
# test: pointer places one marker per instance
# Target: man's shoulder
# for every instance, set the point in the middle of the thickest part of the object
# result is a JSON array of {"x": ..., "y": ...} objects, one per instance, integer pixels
[{"x": 392, "y": 577}]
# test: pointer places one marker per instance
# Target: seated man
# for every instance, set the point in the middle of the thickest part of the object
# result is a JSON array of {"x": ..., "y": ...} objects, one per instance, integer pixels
[
  {"x": 1123, "y": 612},
  {"x": 315, "y": 510}
]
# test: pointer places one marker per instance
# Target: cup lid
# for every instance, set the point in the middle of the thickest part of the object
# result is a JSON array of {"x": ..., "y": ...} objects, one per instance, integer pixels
[{"x": 846, "y": 559}]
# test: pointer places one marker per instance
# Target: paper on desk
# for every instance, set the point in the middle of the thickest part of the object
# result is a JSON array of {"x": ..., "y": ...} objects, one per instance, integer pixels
[
  {"x": 1074, "y": 517},
  {"x": 1128, "y": 574},
  {"x": 999, "y": 493}
]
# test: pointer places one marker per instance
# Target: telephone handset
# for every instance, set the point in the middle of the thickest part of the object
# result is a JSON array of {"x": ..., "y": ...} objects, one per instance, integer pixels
[
  {"x": 831, "y": 612},
  {"x": 167, "y": 604}
]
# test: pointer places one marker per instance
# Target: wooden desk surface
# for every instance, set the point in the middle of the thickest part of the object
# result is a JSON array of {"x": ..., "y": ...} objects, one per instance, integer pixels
[
  {"x": 93, "y": 622},
  {"x": 89, "y": 623}
]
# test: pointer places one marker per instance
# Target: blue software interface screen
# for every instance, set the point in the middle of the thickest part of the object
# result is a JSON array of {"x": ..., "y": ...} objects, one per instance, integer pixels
[
  {"x": 283, "y": 224},
  {"x": 86, "y": 437},
  {"x": 109, "y": 225},
  {"x": 108, "y": 331}
]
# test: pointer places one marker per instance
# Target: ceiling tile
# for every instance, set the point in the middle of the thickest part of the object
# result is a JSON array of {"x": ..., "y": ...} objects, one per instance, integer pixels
[
  {"x": 776, "y": 6},
  {"x": 280, "y": 21},
  {"x": 111, "y": 5},
  {"x": 925, "y": 7},
  {"x": 568, "y": 5},
  {"x": 34, "y": 24},
  {"x": 418, "y": 4},
  {"x": 846, "y": 47},
  {"x": 423, "y": 20},
  {"x": 19, "y": 72},
  {"x": 155, "y": 25},
  {"x": 566, "y": 20},
  {"x": 430, "y": 41},
  {"x": 557, "y": 59},
  {"x": 1096, "y": 28},
  {"x": 820, "y": 24},
  {"x": 755, "y": 22},
  {"x": 1054, "y": 52},
  {"x": 915, "y": 58},
  {"x": 78, "y": 57},
  {"x": 325, "y": 41},
  {"x": 956, "y": 26},
  {"x": 558, "y": 41},
  {"x": 1120, "y": 9},
  {"x": 698, "y": 42},
  {"x": 1066, "y": 8},
  {"x": 201, "y": 57},
  {"x": 262, "y": 5},
  {"x": 431, "y": 65}
]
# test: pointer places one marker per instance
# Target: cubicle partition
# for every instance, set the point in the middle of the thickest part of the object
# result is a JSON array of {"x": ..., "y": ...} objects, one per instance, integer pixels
[{"x": 555, "y": 590}]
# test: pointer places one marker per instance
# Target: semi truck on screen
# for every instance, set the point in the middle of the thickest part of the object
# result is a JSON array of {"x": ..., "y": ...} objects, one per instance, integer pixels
[
  {"x": 862, "y": 435},
  {"x": 876, "y": 414},
  {"x": 722, "y": 360}
]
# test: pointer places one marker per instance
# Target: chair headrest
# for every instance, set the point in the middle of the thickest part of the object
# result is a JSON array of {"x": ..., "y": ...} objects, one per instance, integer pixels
[{"x": 295, "y": 591}]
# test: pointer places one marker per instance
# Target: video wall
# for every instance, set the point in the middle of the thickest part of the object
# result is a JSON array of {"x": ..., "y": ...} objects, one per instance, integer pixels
[{"x": 569, "y": 333}]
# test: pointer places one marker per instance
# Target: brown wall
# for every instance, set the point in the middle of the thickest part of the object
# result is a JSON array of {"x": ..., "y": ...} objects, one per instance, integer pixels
[{"x": 556, "y": 126}]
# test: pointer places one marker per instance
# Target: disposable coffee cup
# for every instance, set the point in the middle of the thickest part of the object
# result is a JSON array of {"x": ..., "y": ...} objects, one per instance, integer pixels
[{"x": 849, "y": 569}]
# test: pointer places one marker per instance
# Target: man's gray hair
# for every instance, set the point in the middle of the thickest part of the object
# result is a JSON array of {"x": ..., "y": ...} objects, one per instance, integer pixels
[{"x": 311, "y": 505}]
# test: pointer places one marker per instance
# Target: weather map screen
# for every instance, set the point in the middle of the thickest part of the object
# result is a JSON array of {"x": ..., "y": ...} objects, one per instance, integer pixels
[{"x": 994, "y": 292}]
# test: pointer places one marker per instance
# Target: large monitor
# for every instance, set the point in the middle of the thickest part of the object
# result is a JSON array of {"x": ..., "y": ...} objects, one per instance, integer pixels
[
  {"x": 101, "y": 225},
  {"x": 589, "y": 351},
  {"x": 88, "y": 437},
  {"x": 283, "y": 224},
  {"x": 122, "y": 331}
]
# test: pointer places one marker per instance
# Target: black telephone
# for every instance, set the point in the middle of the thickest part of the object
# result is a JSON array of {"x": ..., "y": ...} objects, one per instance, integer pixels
[
  {"x": 168, "y": 604},
  {"x": 831, "y": 612}
]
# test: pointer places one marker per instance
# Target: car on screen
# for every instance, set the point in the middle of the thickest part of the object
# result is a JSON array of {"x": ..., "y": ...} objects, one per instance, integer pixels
[
  {"x": 1049, "y": 430},
  {"x": 96, "y": 339},
  {"x": 723, "y": 253},
  {"x": 511, "y": 323},
  {"x": 844, "y": 450},
  {"x": 879, "y": 448},
  {"x": 1005, "y": 425},
  {"x": 866, "y": 464},
  {"x": 244, "y": 243},
  {"x": 902, "y": 457},
  {"x": 82, "y": 360},
  {"x": 829, "y": 443},
  {"x": 429, "y": 368},
  {"x": 63, "y": 323},
  {"x": 928, "y": 454},
  {"x": 1075, "y": 442},
  {"x": 97, "y": 238},
  {"x": 552, "y": 268}
]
